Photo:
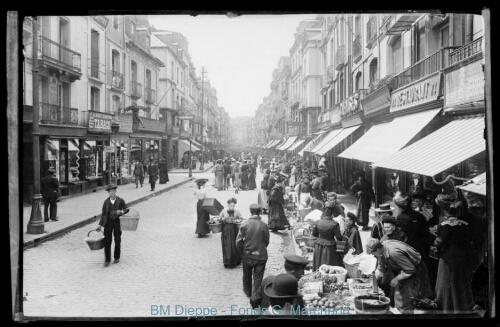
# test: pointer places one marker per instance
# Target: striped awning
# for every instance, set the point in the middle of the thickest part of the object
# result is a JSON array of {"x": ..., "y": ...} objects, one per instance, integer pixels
[
  {"x": 269, "y": 144},
  {"x": 193, "y": 147},
  {"x": 383, "y": 140},
  {"x": 277, "y": 143},
  {"x": 450, "y": 145},
  {"x": 288, "y": 143},
  {"x": 295, "y": 145},
  {"x": 345, "y": 132},
  {"x": 327, "y": 139},
  {"x": 476, "y": 185},
  {"x": 312, "y": 143}
]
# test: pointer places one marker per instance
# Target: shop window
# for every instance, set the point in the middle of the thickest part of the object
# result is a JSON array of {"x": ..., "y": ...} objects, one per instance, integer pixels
[
  {"x": 92, "y": 159},
  {"x": 135, "y": 151},
  {"x": 52, "y": 158},
  {"x": 73, "y": 158}
]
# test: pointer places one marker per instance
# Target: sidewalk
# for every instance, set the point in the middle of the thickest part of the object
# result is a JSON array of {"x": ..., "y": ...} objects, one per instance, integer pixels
[
  {"x": 84, "y": 209},
  {"x": 207, "y": 167}
]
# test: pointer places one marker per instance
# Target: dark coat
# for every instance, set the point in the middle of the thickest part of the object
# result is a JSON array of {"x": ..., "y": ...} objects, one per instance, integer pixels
[
  {"x": 49, "y": 187},
  {"x": 397, "y": 235},
  {"x": 153, "y": 172},
  {"x": 354, "y": 239},
  {"x": 139, "y": 169},
  {"x": 253, "y": 238},
  {"x": 106, "y": 210}
]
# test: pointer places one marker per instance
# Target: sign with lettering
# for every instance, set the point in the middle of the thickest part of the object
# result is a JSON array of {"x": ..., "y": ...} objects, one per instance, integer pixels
[
  {"x": 125, "y": 122},
  {"x": 416, "y": 94},
  {"x": 464, "y": 85},
  {"x": 99, "y": 122},
  {"x": 185, "y": 117}
]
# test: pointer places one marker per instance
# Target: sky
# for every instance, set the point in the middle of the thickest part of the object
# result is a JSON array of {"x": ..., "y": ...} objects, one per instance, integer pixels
[{"x": 239, "y": 53}]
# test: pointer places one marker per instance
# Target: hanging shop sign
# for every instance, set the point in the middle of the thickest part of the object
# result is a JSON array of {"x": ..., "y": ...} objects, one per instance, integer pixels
[
  {"x": 99, "y": 122},
  {"x": 464, "y": 85},
  {"x": 125, "y": 121},
  {"x": 416, "y": 94}
]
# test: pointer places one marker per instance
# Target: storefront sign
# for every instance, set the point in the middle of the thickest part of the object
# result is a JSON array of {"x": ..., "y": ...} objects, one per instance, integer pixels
[
  {"x": 99, "y": 122},
  {"x": 185, "y": 117},
  {"x": 416, "y": 94},
  {"x": 108, "y": 148},
  {"x": 125, "y": 122},
  {"x": 464, "y": 85},
  {"x": 377, "y": 101}
]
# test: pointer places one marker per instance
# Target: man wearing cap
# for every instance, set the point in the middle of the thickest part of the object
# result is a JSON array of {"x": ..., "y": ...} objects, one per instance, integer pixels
[
  {"x": 252, "y": 242},
  {"x": 50, "y": 191},
  {"x": 294, "y": 265},
  {"x": 153, "y": 173},
  {"x": 112, "y": 209}
]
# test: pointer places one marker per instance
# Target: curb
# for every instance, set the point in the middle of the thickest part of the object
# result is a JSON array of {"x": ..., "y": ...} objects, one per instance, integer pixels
[
  {"x": 192, "y": 171},
  {"x": 67, "y": 229}
]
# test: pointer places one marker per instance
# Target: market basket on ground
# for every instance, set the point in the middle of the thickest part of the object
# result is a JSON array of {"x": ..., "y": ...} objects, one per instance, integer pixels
[
  {"x": 353, "y": 270},
  {"x": 130, "y": 220},
  {"x": 96, "y": 243}
]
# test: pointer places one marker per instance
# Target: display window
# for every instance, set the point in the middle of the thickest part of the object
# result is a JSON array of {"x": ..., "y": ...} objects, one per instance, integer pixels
[
  {"x": 73, "y": 158},
  {"x": 54, "y": 158},
  {"x": 135, "y": 150}
]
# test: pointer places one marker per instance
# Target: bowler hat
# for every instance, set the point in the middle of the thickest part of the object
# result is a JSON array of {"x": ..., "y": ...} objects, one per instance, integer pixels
[
  {"x": 111, "y": 187},
  {"x": 384, "y": 208},
  {"x": 255, "y": 206},
  {"x": 295, "y": 260},
  {"x": 201, "y": 181},
  {"x": 283, "y": 286}
]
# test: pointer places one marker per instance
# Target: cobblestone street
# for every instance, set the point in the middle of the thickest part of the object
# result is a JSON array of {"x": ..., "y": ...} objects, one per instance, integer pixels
[{"x": 162, "y": 263}]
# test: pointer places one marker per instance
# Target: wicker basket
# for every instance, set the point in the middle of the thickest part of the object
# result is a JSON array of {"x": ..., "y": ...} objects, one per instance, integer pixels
[
  {"x": 95, "y": 244},
  {"x": 130, "y": 220},
  {"x": 359, "y": 291},
  {"x": 215, "y": 228},
  {"x": 353, "y": 270}
]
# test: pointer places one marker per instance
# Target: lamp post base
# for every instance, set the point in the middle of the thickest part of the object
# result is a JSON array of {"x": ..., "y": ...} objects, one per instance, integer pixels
[{"x": 36, "y": 224}]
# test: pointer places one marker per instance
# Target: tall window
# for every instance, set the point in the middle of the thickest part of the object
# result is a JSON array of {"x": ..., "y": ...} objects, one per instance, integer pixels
[
  {"x": 133, "y": 68},
  {"x": 341, "y": 87},
  {"x": 182, "y": 78},
  {"x": 94, "y": 54},
  {"x": 444, "y": 36},
  {"x": 373, "y": 71},
  {"x": 115, "y": 61},
  {"x": 116, "y": 103},
  {"x": 177, "y": 80},
  {"x": 358, "y": 81},
  {"x": 94, "y": 99},
  {"x": 396, "y": 64},
  {"x": 148, "y": 78},
  {"x": 172, "y": 70}
]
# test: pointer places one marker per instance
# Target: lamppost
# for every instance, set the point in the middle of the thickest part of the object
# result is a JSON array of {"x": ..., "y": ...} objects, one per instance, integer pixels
[{"x": 202, "y": 167}]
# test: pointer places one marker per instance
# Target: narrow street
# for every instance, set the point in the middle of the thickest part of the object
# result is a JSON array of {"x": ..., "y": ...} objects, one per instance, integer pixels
[{"x": 162, "y": 263}]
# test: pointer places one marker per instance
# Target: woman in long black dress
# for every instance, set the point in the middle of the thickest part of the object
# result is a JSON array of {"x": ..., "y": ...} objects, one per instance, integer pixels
[
  {"x": 251, "y": 177},
  {"x": 277, "y": 218},
  {"x": 202, "y": 228},
  {"x": 163, "y": 171},
  {"x": 230, "y": 255},
  {"x": 244, "y": 176},
  {"x": 328, "y": 231}
]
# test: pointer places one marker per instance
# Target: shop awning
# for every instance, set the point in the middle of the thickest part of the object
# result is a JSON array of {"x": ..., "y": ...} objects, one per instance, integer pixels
[
  {"x": 196, "y": 143},
  {"x": 269, "y": 144},
  {"x": 345, "y": 132},
  {"x": 275, "y": 144},
  {"x": 383, "y": 140},
  {"x": 72, "y": 146},
  {"x": 288, "y": 143},
  {"x": 476, "y": 185},
  {"x": 450, "y": 145},
  {"x": 327, "y": 139},
  {"x": 295, "y": 145},
  {"x": 193, "y": 147},
  {"x": 312, "y": 143}
]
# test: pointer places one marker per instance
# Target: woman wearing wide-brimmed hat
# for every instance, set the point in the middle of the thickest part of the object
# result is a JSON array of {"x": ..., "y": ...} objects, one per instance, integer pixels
[
  {"x": 203, "y": 216},
  {"x": 229, "y": 218},
  {"x": 380, "y": 212}
]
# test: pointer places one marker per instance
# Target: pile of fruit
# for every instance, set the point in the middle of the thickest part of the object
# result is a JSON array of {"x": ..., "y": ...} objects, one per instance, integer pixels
[
  {"x": 332, "y": 270},
  {"x": 214, "y": 220}
]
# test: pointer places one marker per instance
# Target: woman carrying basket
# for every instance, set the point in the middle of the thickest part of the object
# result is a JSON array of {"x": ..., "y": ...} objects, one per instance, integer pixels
[
  {"x": 229, "y": 218},
  {"x": 202, "y": 227}
]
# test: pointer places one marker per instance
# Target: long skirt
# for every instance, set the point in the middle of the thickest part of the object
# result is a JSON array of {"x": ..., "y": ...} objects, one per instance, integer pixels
[
  {"x": 237, "y": 180},
  {"x": 163, "y": 177},
  {"x": 363, "y": 211},
  {"x": 244, "y": 181},
  {"x": 219, "y": 181},
  {"x": 262, "y": 199},
  {"x": 230, "y": 255},
  {"x": 277, "y": 217},
  {"x": 203, "y": 217},
  {"x": 251, "y": 182},
  {"x": 326, "y": 255}
]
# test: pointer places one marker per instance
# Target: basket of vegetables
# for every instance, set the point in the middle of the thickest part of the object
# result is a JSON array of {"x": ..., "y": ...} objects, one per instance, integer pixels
[
  {"x": 96, "y": 242},
  {"x": 215, "y": 225},
  {"x": 339, "y": 272},
  {"x": 371, "y": 304}
]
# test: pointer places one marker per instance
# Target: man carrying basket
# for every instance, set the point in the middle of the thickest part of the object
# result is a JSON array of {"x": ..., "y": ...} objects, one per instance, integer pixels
[{"x": 112, "y": 209}]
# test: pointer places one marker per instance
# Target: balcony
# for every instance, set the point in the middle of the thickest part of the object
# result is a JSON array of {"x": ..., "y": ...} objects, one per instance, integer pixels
[
  {"x": 135, "y": 90},
  {"x": 356, "y": 49},
  {"x": 467, "y": 51},
  {"x": 150, "y": 95},
  {"x": 340, "y": 59},
  {"x": 55, "y": 114},
  {"x": 116, "y": 80},
  {"x": 352, "y": 104},
  {"x": 58, "y": 57},
  {"x": 425, "y": 67},
  {"x": 400, "y": 23},
  {"x": 371, "y": 31},
  {"x": 295, "y": 99},
  {"x": 96, "y": 70}
]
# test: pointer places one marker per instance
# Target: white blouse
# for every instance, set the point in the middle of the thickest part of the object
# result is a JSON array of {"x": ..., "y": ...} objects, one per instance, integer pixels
[{"x": 201, "y": 193}]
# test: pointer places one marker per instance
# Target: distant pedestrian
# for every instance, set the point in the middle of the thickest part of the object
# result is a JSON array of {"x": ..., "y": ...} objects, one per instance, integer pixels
[
  {"x": 153, "y": 173},
  {"x": 227, "y": 174},
  {"x": 112, "y": 209},
  {"x": 229, "y": 218},
  {"x": 251, "y": 177},
  {"x": 139, "y": 173},
  {"x": 244, "y": 176},
  {"x": 163, "y": 171},
  {"x": 203, "y": 216},
  {"x": 237, "y": 177},
  {"x": 277, "y": 218},
  {"x": 252, "y": 242},
  {"x": 363, "y": 190},
  {"x": 50, "y": 193},
  {"x": 219, "y": 175}
]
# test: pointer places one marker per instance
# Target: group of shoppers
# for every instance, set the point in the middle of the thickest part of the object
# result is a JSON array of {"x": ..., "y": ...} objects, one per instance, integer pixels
[{"x": 153, "y": 170}]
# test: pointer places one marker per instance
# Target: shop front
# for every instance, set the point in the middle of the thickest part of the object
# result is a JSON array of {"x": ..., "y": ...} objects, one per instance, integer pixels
[{"x": 117, "y": 155}]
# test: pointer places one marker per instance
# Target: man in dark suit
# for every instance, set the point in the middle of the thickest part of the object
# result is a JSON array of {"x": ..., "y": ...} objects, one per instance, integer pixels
[
  {"x": 153, "y": 173},
  {"x": 50, "y": 192},
  {"x": 112, "y": 209},
  {"x": 252, "y": 242}
]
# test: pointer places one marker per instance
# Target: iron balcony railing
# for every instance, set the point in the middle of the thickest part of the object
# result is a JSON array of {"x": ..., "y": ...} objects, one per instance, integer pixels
[
  {"x": 356, "y": 47},
  {"x": 58, "y": 54},
  {"x": 423, "y": 68},
  {"x": 135, "y": 89},
  {"x": 116, "y": 80},
  {"x": 96, "y": 69},
  {"x": 467, "y": 51},
  {"x": 150, "y": 95},
  {"x": 56, "y": 114}
]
